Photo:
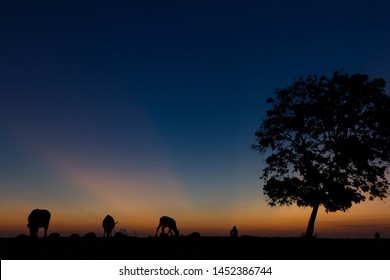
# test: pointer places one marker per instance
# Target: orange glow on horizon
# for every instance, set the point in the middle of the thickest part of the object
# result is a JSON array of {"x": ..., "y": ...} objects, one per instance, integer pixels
[
  {"x": 137, "y": 200},
  {"x": 255, "y": 220}
]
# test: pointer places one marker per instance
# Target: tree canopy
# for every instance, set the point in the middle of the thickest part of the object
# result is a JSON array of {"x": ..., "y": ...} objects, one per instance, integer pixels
[{"x": 327, "y": 142}]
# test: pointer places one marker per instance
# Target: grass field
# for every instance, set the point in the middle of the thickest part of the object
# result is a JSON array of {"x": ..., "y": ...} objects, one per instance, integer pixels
[{"x": 187, "y": 248}]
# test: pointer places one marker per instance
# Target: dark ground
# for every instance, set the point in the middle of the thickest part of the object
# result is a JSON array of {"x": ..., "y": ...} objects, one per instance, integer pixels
[{"x": 187, "y": 248}]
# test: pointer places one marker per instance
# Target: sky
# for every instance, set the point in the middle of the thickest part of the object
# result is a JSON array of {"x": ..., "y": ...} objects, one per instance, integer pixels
[{"x": 140, "y": 109}]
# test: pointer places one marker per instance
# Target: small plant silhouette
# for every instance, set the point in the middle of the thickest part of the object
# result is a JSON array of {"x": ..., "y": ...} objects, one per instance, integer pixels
[{"x": 108, "y": 225}]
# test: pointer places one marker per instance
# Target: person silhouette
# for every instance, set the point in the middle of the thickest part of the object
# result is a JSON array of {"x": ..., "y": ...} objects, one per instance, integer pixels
[{"x": 234, "y": 232}]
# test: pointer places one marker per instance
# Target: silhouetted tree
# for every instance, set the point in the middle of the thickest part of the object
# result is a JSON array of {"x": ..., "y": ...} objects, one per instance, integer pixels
[{"x": 327, "y": 143}]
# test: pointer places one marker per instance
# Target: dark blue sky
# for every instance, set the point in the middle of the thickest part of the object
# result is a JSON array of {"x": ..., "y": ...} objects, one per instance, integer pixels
[{"x": 142, "y": 87}]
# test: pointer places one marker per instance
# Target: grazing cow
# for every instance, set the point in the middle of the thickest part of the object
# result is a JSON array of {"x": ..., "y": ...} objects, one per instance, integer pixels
[
  {"x": 169, "y": 223},
  {"x": 108, "y": 225},
  {"x": 90, "y": 235},
  {"x": 38, "y": 218}
]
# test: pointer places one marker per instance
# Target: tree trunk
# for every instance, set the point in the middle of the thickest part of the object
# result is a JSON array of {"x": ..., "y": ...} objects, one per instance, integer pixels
[{"x": 310, "y": 225}]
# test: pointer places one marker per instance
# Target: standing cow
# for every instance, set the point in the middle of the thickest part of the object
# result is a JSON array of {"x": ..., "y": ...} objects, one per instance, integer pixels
[
  {"x": 108, "y": 225},
  {"x": 38, "y": 218},
  {"x": 169, "y": 223}
]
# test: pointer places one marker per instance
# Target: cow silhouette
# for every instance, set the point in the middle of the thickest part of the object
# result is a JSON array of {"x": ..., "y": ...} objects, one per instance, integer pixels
[
  {"x": 108, "y": 225},
  {"x": 169, "y": 223},
  {"x": 38, "y": 218}
]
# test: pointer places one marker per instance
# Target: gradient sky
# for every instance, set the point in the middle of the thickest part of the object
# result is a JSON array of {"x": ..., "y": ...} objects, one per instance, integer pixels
[{"x": 149, "y": 108}]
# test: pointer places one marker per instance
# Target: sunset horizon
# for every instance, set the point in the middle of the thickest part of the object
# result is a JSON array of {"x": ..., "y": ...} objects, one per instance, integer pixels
[
  {"x": 144, "y": 109},
  {"x": 277, "y": 222}
]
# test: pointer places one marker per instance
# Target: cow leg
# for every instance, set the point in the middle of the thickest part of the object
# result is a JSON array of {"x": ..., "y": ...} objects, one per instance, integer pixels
[
  {"x": 157, "y": 229},
  {"x": 45, "y": 231}
]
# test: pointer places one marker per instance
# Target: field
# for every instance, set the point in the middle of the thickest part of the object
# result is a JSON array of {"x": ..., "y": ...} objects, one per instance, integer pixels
[{"x": 189, "y": 248}]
